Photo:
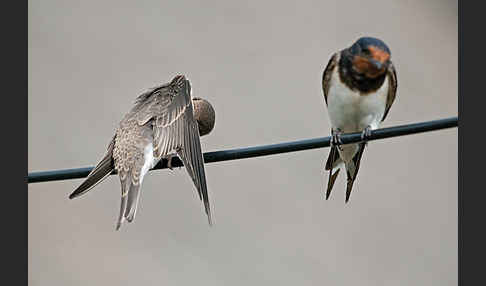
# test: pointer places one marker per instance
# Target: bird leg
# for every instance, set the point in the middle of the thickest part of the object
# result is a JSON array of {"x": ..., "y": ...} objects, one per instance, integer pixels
[
  {"x": 169, "y": 161},
  {"x": 336, "y": 138},
  {"x": 366, "y": 134}
]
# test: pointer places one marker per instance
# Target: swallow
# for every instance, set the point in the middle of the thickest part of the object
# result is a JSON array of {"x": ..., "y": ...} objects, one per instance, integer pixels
[
  {"x": 165, "y": 121},
  {"x": 359, "y": 85}
]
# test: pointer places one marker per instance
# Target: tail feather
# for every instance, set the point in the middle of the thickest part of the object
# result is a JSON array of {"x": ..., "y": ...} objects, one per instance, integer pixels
[
  {"x": 330, "y": 184},
  {"x": 332, "y": 161},
  {"x": 132, "y": 201},
  {"x": 349, "y": 187},
  {"x": 125, "y": 186},
  {"x": 102, "y": 170},
  {"x": 352, "y": 169},
  {"x": 129, "y": 201}
]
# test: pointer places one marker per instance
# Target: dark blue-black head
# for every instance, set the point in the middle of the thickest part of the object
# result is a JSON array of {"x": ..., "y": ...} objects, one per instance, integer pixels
[{"x": 369, "y": 57}]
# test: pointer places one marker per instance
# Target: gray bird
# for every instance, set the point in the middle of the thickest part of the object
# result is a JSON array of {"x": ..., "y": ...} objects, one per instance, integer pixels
[
  {"x": 165, "y": 121},
  {"x": 360, "y": 85}
]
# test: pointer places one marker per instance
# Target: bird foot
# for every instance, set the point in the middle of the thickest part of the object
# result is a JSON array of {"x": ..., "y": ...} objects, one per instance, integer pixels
[
  {"x": 336, "y": 138},
  {"x": 366, "y": 134},
  {"x": 169, "y": 162}
]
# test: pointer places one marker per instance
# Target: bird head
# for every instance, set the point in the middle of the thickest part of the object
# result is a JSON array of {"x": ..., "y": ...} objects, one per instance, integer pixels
[
  {"x": 204, "y": 114},
  {"x": 369, "y": 57}
]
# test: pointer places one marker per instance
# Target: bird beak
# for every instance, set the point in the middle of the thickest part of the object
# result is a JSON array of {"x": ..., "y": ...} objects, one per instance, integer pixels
[{"x": 377, "y": 64}]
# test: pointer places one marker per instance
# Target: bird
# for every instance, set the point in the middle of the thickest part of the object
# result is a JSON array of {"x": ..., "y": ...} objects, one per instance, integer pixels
[
  {"x": 359, "y": 85},
  {"x": 165, "y": 121}
]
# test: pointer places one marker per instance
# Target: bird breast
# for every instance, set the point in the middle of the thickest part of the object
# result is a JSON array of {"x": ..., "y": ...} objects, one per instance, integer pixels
[{"x": 352, "y": 111}]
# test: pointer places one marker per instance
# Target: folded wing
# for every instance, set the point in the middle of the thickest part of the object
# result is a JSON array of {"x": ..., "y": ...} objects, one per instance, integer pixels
[{"x": 176, "y": 130}]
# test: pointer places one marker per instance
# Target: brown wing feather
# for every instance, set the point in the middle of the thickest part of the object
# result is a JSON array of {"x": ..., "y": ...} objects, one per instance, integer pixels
[
  {"x": 326, "y": 76},
  {"x": 191, "y": 155},
  {"x": 176, "y": 130},
  {"x": 392, "y": 89}
]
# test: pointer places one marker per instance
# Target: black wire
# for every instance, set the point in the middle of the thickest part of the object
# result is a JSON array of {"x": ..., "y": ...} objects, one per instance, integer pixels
[{"x": 265, "y": 150}]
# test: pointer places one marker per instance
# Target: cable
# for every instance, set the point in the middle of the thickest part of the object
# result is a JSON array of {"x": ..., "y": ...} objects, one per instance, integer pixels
[{"x": 265, "y": 150}]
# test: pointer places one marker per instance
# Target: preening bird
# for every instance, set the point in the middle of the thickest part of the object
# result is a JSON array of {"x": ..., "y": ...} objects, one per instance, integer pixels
[
  {"x": 166, "y": 121},
  {"x": 359, "y": 85}
]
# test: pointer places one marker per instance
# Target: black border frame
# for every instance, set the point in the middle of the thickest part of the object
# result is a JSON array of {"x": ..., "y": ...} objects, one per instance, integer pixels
[
  {"x": 14, "y": 23},
  {"x": 471, "y": 237}
]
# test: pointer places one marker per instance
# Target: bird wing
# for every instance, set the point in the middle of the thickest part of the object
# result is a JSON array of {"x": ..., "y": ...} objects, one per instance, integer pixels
[
  {"x": 326, "y": 76},
  {"x": 392, "y": 89},
  {"x": 175, "y": 129}
]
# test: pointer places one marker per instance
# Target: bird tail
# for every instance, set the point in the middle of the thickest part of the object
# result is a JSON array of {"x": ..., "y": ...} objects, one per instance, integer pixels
[
  {"x": 333, "y": 161},
  {"x": 352, "y": 168},
  {"x": 98, "y": 174},
  {"x": 129, "y": 200}
]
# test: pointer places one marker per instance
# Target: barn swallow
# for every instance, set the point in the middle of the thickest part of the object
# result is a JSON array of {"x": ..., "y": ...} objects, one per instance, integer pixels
[
  {"x": 165, "y": 121},
  {"x": 359, "y": 85}
]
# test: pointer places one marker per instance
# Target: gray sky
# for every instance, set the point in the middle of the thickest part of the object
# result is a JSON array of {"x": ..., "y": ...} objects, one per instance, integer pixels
[{"x": 260, "y": 65}]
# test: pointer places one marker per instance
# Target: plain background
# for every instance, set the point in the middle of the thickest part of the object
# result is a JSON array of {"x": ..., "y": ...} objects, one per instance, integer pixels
[{"x": 260, "y": 65}]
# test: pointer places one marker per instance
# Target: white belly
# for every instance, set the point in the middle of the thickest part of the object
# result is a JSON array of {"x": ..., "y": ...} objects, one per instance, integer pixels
[
  {"x": 352, "y": 112},
  {"x": 149, "y": 161}
]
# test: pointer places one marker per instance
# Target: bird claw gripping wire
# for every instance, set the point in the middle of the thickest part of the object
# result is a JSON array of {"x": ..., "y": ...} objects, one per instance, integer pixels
[
  {"x": 336, "y": 138},
  {"x": 169, "y": 161},
  {"x": 366, "y": 134}
]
